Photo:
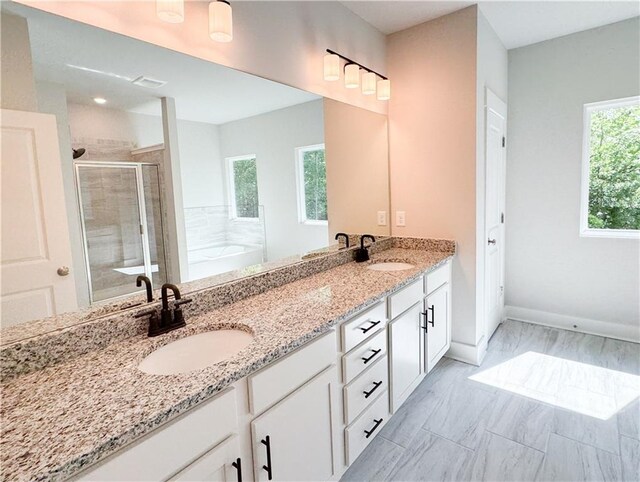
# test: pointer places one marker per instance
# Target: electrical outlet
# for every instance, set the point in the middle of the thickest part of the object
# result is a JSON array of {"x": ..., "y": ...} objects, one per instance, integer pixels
[
  {"x": 382, "y": 218},
  {"x": 400, "y": 218}
]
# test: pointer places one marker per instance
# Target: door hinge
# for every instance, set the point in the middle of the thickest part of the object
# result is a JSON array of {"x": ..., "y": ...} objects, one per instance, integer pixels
[
  {"x": 504, "y": 140},
  {"x": 141, "y": 230},
  {"x": 502, "y": 289},
  {"x": 502, "y": 218}
]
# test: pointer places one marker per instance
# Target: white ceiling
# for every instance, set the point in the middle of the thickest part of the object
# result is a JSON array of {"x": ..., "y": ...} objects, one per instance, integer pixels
[
  {"x": 204, "y": 91},
  {"x": 517, "y": 23}
]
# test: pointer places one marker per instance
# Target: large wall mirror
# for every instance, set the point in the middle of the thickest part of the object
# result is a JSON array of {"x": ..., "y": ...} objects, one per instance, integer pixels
[{"x": 187, "y": 171}]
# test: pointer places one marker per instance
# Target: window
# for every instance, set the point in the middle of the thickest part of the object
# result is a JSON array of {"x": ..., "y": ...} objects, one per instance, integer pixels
[
  {"x": 610, "y": 204},
  {"x": 242, "y": 175},
  {"x": 312, "y": 184}
]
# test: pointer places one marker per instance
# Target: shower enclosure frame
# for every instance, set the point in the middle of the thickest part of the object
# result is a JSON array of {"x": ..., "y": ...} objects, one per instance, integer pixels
[{"x": 142, "y": 213}]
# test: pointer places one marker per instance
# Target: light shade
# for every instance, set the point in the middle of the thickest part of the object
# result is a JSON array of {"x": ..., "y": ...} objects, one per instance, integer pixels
[
  {"x": 171, "y": 11},
  {"x": 331, "y": 67},
  {"x": 368, "y": 83},
  {"x": 384, "y": 89},
  {"x": 220, "y": 21},
  {"x": 351, "y": 76}
]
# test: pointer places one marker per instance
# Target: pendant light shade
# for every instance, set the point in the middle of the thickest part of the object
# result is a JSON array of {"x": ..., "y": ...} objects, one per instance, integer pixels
[
  {"x": 351, "y": 76},
  {"x": 331, "y": 67},
  {"x": 384, "y": 89},
  {"x": 220, "y": 21},
  {"x": 171, "y": 11},
  {"x": 368, "y": 83}
]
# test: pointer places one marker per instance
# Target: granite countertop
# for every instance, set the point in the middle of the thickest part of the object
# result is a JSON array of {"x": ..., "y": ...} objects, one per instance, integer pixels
[{"x": 62, "y": 418}]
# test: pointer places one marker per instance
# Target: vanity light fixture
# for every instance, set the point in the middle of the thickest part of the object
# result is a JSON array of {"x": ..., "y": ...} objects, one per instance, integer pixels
[
  {"x": 372, "y": 81},
  {"x": 368, "y": 83},
  {"x": 171, "y": 11},
  {"x": 351, "y": 76},
  {"x": 100, "y": 100},
  {"x": 331, "y": 67},
  {"x": 220, "y": 21}
]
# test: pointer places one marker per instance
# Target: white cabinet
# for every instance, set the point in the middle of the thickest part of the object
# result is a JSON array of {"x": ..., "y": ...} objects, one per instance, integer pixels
[
  {"x": 405, "y": 354},
  {"x": 437, "y": 321},
  {"x": 293, "y": 440},
  {"x": 220, "y": 464}
]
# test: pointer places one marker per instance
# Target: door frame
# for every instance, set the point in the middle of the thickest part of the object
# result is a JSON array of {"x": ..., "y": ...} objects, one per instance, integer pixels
[
  {"x": 499, "y": 107},
  {"x": 142, "y": 213}
]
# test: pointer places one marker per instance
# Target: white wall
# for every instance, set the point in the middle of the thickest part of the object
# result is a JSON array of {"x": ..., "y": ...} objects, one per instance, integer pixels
[
  {"x": 273, "y": 137},
  {"x": 16, "y": 69},
  {"x": 200, "y": 164},
  {"x": 551, "y": 270},
  {"x": 281, "y": 41}
]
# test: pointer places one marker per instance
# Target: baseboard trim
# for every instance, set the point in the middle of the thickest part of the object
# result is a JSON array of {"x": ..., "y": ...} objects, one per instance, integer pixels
[
  {"x": 574, "y": 323},
  {"x": 472, "y": 354}
]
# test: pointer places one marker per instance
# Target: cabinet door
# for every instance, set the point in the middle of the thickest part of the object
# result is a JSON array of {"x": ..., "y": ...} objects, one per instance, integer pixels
[
  {"x": 404, "y": 355},
  {"x": 438, "y": 329},
  {"x": 220, "y": 464},
  {"x": 293, "y": 440}
]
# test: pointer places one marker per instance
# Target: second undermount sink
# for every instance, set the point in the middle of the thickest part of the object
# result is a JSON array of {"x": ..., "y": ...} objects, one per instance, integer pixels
[
  {"x": 195, "y": 352},
  {"x": 390, "y": 266}
]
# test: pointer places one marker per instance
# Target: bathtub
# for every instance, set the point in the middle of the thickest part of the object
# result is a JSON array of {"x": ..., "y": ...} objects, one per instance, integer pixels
[{"x": 221, "y": 258}]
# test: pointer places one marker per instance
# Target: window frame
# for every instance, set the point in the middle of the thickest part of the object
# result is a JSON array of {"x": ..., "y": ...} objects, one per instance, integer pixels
[
  {"x": 231, "y": 188},
  {"x": 585, "y": 230},
  {"x": 300, "y": 192}
]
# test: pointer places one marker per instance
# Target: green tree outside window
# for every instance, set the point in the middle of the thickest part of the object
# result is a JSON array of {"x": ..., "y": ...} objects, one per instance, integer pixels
[
  {"x": 245, "y": 184},
  {"x": 315, "y": 185}
]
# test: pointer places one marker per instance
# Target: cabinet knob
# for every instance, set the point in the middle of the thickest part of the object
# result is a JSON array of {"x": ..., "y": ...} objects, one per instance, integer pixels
[{"x": 63, "y": 271}]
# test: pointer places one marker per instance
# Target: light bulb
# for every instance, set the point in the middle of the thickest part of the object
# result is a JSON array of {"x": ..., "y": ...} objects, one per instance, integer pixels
[
  {"x": 351, "y": 76},
  {"x": 171, "y": 11},
  {"x": 220, "y": 21},
  {"x": 368, "y": 83},
  {"x": 384, "y": 89},
  {"x": 331, "y": 67}
]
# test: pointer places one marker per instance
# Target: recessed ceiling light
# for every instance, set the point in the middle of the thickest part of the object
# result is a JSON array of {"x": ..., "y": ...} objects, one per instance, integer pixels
[{"x": 99, "y": 100}]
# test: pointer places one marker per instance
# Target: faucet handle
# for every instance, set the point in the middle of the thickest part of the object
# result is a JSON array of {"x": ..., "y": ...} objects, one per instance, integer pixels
[
  {"x": 182, "y": 301},
  {"x": 154, "y": 326}
]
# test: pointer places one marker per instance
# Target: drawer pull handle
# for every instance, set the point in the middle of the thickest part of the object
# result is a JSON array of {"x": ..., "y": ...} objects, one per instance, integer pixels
[
  {"x": 368, "y": 433},
  {"x": 370, "y": 327},
  {"x": 375, "y": 387},
  {"x": 431, "y": 309},
  {"x": 267, "y": 442},
  {"x": 238, "y": 465},
  {"x": 368, "y": 359}
]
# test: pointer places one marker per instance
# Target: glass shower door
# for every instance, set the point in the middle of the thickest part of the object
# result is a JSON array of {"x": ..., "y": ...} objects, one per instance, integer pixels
[{"x": 114, "y": 215}]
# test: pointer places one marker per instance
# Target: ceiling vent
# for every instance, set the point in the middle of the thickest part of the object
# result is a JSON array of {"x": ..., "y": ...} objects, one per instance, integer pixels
[{"x": 143, "y": 81}]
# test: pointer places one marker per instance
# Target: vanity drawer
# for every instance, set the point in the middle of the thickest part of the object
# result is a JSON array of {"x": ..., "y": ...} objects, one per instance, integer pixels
[
  {"x": 278, "y": 379},
  {"x": 362, "y": 326},
  {"x": 366, "y": 427},
  {"x": 169, "y": 448},
  {"x": 364, "y": 389},
  {"x": 364, "y": 356},
  {"x": 437, "y": 278},
  {"x": 405, "y": 298}
]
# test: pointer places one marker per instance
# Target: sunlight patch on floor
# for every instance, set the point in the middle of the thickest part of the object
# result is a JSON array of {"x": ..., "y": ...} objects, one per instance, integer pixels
[{"x": 587, "y": 389}]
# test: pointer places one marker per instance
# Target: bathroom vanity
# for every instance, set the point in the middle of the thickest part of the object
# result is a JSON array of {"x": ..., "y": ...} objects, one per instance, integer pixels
[{"x": 334, "y": 355}]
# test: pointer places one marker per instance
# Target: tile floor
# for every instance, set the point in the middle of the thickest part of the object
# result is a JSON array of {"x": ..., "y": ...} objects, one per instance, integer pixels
[{"x": 546, "y": 405}]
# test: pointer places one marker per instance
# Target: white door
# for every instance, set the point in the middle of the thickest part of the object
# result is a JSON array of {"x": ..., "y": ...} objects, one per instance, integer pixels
[
  {"x": 404, "y": 355},
  {"x": 294, "y": 439},
  {"x": 220, "y": 464},
  {"x": 437, "y": 325},
  {"x": 36, "y": 275},
  {"x": 496, "y": 127}
]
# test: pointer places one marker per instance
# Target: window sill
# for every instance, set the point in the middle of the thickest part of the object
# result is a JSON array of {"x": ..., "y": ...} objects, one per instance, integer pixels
[{"x": 610, "y": 233}]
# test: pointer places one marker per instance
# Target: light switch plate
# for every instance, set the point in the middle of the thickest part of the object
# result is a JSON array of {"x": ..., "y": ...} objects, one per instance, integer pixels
[
  {"x": 382, "y": 218},
  {"x": 400, "y": 218}
]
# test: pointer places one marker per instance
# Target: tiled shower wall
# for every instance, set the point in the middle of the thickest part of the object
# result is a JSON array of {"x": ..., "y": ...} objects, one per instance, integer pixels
[{"x": 212, "y": 225}]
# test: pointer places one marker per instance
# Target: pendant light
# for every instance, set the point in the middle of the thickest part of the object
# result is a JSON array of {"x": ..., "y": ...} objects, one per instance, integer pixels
[
  {"x": 351, "y": 76},
  {"x": 369, "y": 83},
  {"x": 171, "y": 11},
  {"x": 331, "y": 67},
  {"x": 384, "y": 89},
  {"x": 220, "y": 21}
]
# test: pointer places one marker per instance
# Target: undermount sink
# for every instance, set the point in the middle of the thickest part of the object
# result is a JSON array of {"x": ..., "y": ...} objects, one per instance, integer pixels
[
  {"x": 195, "y": 352},
  {"x": 390, "y": 266}
]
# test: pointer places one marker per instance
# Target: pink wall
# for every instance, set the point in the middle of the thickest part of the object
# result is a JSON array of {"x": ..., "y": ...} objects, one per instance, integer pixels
[{"x": 432, "y": 139}]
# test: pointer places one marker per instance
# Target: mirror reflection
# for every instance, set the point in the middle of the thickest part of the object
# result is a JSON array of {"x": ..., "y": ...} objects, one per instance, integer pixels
[{"x": 183, "y": 171}]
